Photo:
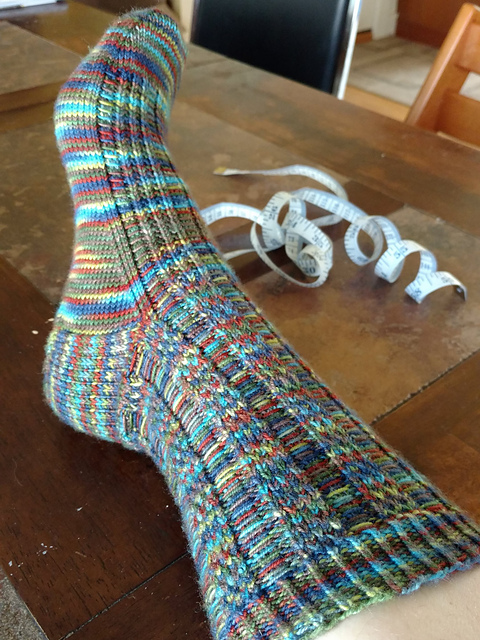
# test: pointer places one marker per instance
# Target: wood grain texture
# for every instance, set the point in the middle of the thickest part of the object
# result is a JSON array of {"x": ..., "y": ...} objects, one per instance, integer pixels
[
  {"x": 36, "y": 213},
  {"x": 32, "y": 68},
  {"x": 364, "y": 337},
  {"x": 122, "y": 6},
  {"x": 198, "y": 56},
  {"x": 426, "y": 171},
  {"x": 26, "y": 116},
  {"x": 81, "y": 522},
  {"x": 459, "y": 118},
  {"x": 69, "y": 24},
  {"x": 439, "y": 105},
  {"x": 28, "y": 98},
  {"x": 91, "y": 532},
  {"x": 376, "y": 103},
  {"x": 167, "y": 607},
  {"x": 422, "y": 21},
  {"x": 437, "y": 431}
]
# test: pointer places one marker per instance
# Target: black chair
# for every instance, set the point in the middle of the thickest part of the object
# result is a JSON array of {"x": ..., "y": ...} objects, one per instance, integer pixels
[{"x": 310, "y": 41}]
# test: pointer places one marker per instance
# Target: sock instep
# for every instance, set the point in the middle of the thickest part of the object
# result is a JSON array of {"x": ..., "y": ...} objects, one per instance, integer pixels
[{"x": 296, "y": 514}]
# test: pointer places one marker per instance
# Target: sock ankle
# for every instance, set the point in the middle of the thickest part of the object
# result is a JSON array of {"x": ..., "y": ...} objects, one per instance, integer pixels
[{"x": 296, "y": 514}]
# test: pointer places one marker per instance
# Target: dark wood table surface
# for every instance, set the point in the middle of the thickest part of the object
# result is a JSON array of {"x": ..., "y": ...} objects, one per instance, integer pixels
[{"x": 89, "y": 535}]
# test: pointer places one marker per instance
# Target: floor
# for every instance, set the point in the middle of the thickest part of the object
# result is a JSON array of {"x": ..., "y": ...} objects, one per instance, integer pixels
[
  {"x": 16, "y": 621},
  {"x": 395, "y": 69}
]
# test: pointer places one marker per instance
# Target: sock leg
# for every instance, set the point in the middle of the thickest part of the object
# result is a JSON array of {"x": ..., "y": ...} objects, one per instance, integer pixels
[{"x": 296, "y": 514}]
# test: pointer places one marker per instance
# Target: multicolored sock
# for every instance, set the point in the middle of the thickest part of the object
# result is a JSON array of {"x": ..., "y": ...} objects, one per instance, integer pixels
[{"x": 296, "y": 514}]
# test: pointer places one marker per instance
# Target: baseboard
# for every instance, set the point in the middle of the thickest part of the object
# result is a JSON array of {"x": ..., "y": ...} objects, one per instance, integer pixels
[
  {"x": 363, "y": 36},
  {"x": 375, "y": 103}
]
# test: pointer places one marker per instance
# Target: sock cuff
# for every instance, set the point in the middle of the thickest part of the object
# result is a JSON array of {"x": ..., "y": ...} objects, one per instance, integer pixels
[{"x": 396, "y": 559}]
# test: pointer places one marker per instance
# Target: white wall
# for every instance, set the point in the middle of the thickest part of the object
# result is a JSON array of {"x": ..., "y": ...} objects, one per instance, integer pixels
[
  {"x": 367, "y": 15},
  {"x": 184, "y": 10},
  {"x": 379, "y": 16}
]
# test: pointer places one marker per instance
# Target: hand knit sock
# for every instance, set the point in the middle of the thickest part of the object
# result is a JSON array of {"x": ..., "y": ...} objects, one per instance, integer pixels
[{"x": 296, "y": 514}]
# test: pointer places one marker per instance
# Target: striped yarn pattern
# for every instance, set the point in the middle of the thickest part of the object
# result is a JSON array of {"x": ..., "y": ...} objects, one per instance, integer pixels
[{"x": 296, "y": 514}]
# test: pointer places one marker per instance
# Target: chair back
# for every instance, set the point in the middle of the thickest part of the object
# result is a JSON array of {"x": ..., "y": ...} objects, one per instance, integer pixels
[
  {"x": 439, "y": 105},
  {"x": 310, "y": 41}
]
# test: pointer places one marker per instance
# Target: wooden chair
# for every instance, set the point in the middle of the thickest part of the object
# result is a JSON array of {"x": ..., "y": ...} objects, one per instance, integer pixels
[
  {"x": 310, "y": 41},
  {"x": 439, "y": 105}
]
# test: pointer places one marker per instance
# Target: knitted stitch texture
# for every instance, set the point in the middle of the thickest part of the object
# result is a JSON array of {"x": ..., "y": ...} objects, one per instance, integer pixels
[{"x": 296, "y": 514}]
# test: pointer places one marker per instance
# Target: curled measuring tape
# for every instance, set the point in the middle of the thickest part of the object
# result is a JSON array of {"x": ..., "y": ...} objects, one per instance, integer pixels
[{"x": 312, "y": 250}]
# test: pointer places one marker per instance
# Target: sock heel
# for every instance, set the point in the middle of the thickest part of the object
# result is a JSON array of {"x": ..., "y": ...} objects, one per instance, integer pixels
[{"x": 86, "y": 382}]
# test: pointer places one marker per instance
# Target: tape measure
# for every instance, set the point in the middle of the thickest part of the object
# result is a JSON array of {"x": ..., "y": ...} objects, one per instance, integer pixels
[{"x": 312, "y": 250}]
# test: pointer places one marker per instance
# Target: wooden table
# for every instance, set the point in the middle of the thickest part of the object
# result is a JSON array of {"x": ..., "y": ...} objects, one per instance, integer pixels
[{"x": 89, "y": 534}]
